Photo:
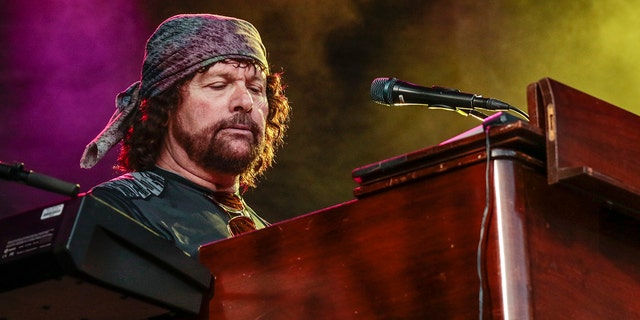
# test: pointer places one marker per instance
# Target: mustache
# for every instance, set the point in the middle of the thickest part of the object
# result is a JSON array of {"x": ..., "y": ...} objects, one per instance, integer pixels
[{"x": 237, "y": 120}]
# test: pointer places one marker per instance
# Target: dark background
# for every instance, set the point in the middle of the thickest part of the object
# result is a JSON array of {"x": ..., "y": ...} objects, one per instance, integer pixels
[{"x": 63, "y": 62}]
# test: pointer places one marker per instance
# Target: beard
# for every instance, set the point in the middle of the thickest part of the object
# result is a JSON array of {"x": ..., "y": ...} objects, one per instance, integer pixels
[{"x": 212, "y": 151}]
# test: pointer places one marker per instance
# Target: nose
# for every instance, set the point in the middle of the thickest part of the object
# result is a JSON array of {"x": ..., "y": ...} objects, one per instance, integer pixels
[{"x": 241, "y": 101}]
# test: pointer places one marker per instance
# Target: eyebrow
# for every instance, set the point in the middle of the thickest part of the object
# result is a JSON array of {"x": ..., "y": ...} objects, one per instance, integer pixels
[{"x": 258, "y": 74}]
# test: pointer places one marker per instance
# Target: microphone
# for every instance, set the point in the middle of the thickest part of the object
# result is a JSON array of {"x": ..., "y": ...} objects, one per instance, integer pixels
[
  {"x": 16, "y": 172},
  {"x": 393, "y": 92}
]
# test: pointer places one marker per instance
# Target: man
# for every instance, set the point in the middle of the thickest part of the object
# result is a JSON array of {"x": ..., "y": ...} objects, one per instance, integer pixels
[{"x": 203, "y": 123}]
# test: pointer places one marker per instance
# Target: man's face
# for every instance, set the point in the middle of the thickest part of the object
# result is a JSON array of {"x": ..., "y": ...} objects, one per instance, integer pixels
[{"x": 220, "y": 122}]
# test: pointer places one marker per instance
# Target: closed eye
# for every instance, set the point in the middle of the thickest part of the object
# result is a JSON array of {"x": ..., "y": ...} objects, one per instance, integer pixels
[
  {"x": 256, "y": 85},
  {"x": 256, "y": 89},
  {"x": 217, "y": 85}
]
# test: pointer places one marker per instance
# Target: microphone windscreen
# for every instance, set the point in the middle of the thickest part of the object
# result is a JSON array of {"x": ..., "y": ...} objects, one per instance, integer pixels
[{"x": 381, "y": 90}]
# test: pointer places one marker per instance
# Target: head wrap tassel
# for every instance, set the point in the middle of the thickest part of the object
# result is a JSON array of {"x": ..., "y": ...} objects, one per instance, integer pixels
[{"x": 126, "y": 102}]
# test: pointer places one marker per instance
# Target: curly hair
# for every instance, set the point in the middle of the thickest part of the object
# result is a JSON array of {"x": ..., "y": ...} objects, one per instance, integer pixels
[{"x": 143, "y": 141}]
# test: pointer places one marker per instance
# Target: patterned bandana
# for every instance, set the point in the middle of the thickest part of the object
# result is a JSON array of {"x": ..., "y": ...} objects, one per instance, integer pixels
[{"x": 179, "y": 47}]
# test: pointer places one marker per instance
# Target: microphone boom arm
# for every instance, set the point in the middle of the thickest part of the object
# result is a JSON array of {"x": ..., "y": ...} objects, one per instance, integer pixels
[{"x": 463, "y": 111}]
